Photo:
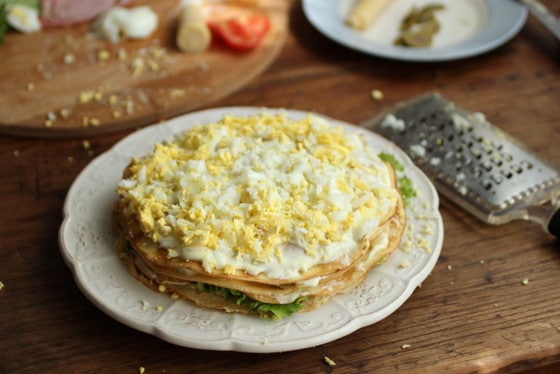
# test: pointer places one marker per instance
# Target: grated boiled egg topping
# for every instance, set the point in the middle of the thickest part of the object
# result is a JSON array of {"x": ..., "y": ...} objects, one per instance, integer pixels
[{"x": 260, "y": 194}]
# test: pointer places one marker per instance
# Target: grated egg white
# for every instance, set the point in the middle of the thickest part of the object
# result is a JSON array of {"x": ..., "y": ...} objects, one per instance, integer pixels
[{"x": 262, "y": 194}]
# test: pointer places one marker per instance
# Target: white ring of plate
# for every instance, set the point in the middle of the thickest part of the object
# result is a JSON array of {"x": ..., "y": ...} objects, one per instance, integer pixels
[
  {"x": 87, "y": 245},
  {"x": 498, "y": 21}
]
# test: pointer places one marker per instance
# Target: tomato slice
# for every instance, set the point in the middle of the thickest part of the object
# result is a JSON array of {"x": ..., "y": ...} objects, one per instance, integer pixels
[{"x": 243, "y": 33}]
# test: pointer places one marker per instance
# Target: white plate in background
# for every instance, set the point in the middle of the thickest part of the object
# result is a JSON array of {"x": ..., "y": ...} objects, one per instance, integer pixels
[{"x": 468, "y": 28}]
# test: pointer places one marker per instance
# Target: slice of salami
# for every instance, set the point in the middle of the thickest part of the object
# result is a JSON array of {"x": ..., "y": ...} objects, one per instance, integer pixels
[{"x": 67, "y": 12}]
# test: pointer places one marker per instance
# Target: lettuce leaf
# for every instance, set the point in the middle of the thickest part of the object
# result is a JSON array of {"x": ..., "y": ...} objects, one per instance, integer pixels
[
  {"x": 29, "y": 3},
  {"x": 3, "y": 23},
  {"x": 404, "y": 183},
  {"x": 274, "y": 311}
]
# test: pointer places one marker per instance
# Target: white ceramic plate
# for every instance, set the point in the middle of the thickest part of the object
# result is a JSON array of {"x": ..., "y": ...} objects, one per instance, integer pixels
[
  {"x": 87, "y": 245},
  {"x": 468, "y": 28}
]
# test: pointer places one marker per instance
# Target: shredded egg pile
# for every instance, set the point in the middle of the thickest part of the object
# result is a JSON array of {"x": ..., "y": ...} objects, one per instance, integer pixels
[{"x": 260, "y": 194}]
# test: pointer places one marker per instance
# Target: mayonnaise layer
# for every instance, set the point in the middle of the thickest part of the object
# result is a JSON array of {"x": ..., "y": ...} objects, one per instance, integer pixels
[{"x": 261, "y": 194}]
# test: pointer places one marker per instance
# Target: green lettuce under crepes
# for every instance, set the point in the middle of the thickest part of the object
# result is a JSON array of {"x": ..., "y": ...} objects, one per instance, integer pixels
[
  {"x": 404, "y": 183},
  {"x": 274, "y": 311}
]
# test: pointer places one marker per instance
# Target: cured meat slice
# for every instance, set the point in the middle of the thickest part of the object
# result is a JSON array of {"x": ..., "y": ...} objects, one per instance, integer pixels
[{"x": 68, "y": 12}]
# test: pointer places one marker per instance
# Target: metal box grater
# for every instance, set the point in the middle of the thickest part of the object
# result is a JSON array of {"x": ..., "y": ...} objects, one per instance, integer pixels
[{"x": 472, "y": 162}]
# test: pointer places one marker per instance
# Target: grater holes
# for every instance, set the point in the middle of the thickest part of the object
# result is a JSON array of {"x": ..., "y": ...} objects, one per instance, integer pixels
[
  {"x": 477, "y": 172},
  {"x": 506, "y": 173},
  {"x": 487, "y": 184},
  {"x": 497, "y": 160},
  {"x": 474, "y": 147},
  {"x": 432, "y": 142},
  {"x": 497, "y": 178},
  {"x": 486, "y": 165},
  {"x": 476, "y": 153},
  {"x": 423, "y": 122},
  {"x": 449, "y": 155},
  {"x": 527, "y": 164}
]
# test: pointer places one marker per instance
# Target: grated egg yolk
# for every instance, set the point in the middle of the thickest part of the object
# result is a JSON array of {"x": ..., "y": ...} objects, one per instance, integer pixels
[{"x": 247, "y": 193}]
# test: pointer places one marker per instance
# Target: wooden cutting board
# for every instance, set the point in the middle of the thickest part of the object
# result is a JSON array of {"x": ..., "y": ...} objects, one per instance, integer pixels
[{"x": 66, "y": 82}]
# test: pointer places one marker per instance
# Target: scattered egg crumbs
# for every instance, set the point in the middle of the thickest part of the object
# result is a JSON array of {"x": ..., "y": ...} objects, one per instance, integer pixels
[
  {"x": 141, "y": 370},
  {"x": 86, "y": 96},
  {"x": 50, "y": 120},
  {"x": 151, "y": 60},
  {"x": 252, "y": 185},
  {"x": 329, "y": 361},
  {"x": 103, "y": 55},
  {"x": 69, "y": 58},
  {"x": 405, "y": 346},
  {"x": 65, "y": 113},
  {"x": 525, "y": 281},
  {"x": 137, "y": 66},
  {"x": 122, "y": 54},
  {"x": 176, "y": 92},
  {"x": 1, "y": 285},
  {"x": 425, "y": 244},
  {"x": 404, "y": 264},
  {"x": 418, "y": 237},
  {"x": 145, "y": 305},
  {"x": 427, "y": 230},
  {"x": 377, "y": 95}
]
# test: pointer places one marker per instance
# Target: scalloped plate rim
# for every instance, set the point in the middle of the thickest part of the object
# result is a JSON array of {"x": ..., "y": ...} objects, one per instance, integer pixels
[{"x": 232, "y": 343}]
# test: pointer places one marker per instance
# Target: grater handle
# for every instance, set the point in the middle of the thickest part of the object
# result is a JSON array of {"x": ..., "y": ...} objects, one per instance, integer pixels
[
  {"x": 554, "y": 224},
  {"x": 547, "y": 215},
  {"x": 554, "y": 217}
]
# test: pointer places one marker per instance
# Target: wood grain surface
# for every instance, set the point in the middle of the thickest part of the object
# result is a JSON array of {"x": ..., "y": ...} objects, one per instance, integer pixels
[
  {"x": 471, "y": 315},
  {"x": 68, "y": 82}
]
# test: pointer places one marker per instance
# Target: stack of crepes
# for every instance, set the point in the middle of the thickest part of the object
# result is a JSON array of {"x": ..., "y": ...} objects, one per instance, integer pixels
[{"x": 259, "y": 214}]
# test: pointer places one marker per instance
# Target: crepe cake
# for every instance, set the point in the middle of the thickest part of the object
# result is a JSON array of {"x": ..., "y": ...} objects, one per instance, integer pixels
[{"x": 259, "y": 214}]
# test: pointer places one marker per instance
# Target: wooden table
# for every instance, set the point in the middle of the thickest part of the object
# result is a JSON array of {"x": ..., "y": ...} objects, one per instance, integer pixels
[{"x": 473, "y": 314}]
